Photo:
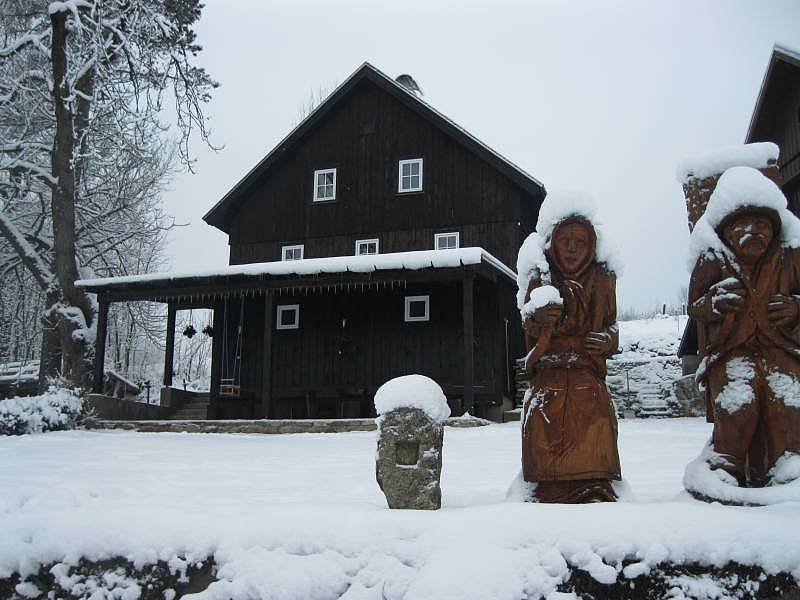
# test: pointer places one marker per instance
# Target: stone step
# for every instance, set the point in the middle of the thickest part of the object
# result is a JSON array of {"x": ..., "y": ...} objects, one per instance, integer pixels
[
  {"x": 189, "y": 415},
  {"x": 195, "y": 404}
]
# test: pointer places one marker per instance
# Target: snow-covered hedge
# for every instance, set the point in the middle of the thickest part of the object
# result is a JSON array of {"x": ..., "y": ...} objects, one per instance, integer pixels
[{"x": 56, "y": 409}]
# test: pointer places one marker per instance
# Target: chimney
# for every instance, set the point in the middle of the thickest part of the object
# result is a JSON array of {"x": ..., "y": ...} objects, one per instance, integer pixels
[{"x": 699, "y": 174}]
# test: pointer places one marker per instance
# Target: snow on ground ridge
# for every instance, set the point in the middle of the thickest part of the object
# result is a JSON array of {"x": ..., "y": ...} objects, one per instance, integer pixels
[{"x": 302, "y": 517}]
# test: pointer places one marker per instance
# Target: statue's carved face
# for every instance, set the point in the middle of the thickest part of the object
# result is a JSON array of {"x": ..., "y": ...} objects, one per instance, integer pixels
[
  {"x": 571, "y": 246},
  {"x": 749, "y": 236}
]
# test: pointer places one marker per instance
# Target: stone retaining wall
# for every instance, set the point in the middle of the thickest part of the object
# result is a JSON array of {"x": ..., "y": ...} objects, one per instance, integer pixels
[
  {"x": 106, "y": 407},
  {"x": 262, "y": 425}
]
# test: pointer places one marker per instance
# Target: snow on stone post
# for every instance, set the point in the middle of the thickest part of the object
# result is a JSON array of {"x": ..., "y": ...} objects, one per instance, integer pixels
[
  {"x": 699, "y": 174},
  {"x": 411, "y": 411}
]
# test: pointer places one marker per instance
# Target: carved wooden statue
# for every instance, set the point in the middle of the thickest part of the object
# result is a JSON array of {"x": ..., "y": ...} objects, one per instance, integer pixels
[
  {"x": 569, "y": 430},
  {"x": 745, "y": 297}
]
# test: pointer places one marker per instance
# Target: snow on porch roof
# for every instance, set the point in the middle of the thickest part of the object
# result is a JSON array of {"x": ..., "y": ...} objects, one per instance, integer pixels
[{"x": 421, "y": 259}]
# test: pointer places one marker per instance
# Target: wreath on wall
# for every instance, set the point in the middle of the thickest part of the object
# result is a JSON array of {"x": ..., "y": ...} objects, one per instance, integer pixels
[{"x": 345, "y": 346}]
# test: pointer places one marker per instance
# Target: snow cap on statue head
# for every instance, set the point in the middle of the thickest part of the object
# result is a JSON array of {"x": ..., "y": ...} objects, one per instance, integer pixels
[
  {"x": 742, "y": 191},
  {"x": 557, "y": 208},
  {"x": 745, "y": 191},
  {"x": 561, "y": 207}
]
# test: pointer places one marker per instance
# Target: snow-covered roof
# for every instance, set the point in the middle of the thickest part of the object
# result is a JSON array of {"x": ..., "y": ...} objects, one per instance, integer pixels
[
  {"x": 420, "y": 259},
  {"x": 782, "y": 54},
  {"x": 719, "y": 160},
  {"x": 133, "y": 386},
  {"x": 216, "y": 215}
]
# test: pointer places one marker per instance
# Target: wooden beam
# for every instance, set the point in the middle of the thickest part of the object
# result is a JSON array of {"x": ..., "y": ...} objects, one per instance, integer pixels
[
  {"x": 266, "y": 375},
  {"x": 169, "y": 354},
  {"x": 503, "y": 378},
  {"x": 469, "y": 336},
  {"x": 100, "y": 348},
  {"x": 218, "y": 321},
  {"x": 200, "y": 291}
]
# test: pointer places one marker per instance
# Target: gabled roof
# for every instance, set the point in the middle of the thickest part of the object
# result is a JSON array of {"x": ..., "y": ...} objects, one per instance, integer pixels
[
  {"x": 780, "y": 54},
  {"x": 217, "y": 215}
]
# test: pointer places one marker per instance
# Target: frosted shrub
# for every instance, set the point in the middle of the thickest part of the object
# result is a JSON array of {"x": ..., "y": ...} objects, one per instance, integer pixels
[{"x": 56, "y": 409}]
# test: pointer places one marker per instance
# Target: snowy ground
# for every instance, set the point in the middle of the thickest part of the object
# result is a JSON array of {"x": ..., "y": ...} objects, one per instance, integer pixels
[
  {"x": 647, "y": 338},
  {"x": 300, "y": 516}
]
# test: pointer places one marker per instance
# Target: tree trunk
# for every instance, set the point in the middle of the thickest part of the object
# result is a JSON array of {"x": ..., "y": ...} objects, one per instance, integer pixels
[
  {"x": 50, "y": 357},
  {"x": 74, "y": 310}
]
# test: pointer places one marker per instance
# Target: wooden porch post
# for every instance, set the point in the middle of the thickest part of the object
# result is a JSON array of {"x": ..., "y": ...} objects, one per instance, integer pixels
[
  {"x": 216, "y": 358},
  {"x": 469, "y": 336},
  {"x": 100, "y": 347},
  {"x": 170, "y": 349},
  {"x": 266, "y": 375}
]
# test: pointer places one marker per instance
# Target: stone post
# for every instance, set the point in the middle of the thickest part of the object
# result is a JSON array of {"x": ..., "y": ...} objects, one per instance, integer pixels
[{"x": 410, "y": 438}]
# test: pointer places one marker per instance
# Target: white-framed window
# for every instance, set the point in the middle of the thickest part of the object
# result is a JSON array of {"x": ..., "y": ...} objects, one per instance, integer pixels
[
  {"x": 288, "y": 316},
  {"x": 294, "y": 252},
  {"x": 324, "y": 185},
  {"x": 446, "y": 241},
  {"x": 371, "y": 246},
  {"x": 417, "y": 308},
  {"x": 410, "y": 175}
]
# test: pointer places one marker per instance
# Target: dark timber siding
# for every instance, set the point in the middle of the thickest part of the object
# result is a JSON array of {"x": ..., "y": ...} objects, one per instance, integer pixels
[
  {"x": 324, "y": 369},
  {"x": 779, "y": 121},
  {"x": 364, "y": 137}
]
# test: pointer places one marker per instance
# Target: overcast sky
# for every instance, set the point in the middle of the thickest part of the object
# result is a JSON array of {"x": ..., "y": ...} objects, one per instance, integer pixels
[{"x": 602, "y": 97}]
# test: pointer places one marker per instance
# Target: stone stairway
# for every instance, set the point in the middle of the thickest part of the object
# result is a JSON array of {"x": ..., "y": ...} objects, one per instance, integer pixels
[
  {"x": 194, "y": 409},
  {"x": 651, "y": 402}
]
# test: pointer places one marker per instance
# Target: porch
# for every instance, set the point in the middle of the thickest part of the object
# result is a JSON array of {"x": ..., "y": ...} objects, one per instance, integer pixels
[{"x": 350, "y": 339}]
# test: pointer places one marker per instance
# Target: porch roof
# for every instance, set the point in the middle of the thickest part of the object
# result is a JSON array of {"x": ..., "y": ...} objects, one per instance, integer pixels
[{"x": 309, "y": 272}]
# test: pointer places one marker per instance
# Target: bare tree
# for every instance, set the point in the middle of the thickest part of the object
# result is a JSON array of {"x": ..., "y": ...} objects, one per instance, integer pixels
[{"x": 82, "y": 87}]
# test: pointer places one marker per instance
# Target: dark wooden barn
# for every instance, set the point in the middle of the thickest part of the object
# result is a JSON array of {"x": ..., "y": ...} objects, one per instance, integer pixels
[{"x": 377, "y": 239}]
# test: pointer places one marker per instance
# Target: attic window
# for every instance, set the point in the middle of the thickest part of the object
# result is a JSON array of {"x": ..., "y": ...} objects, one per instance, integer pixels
[
  {"x": 324, "y": 185},
  {"x": 410, "y": 175},
  {"x": 446, "y": 241},
  {"x": 292, "y": 252},
  {"x": 367, "y": 246},
  {"x": 417, "y": 308},
  {"x": 288, "y": 316}
]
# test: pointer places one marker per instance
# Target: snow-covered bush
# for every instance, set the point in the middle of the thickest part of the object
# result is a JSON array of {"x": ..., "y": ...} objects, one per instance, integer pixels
[{"x": 57, "y": 408}]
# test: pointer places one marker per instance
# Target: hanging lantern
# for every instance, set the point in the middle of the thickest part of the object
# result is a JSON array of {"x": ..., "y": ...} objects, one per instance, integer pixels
[
  {"x": 190, "y": 331},
  {"x": 208, "y": 330}
]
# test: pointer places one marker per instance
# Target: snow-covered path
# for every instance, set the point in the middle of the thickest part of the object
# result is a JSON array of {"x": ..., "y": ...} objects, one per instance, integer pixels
[{"x": 302, "y": 517}]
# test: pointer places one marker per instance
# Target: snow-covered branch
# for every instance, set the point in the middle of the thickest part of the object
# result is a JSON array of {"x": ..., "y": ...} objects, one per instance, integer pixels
[
  {"x": 23, "y": 146},
  {"x": 17, "y": 164},
  {"x": 36, "y": 40},
  {"x": 30, "y": 258}
]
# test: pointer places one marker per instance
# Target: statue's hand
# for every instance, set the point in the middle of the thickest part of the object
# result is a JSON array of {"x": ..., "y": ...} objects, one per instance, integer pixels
[
  {"x": 782, "y": 310},
  {"x": 547, "y": 315},
  {"x": 727, "y": 296},
  {"x": 598, "y": 342}
]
